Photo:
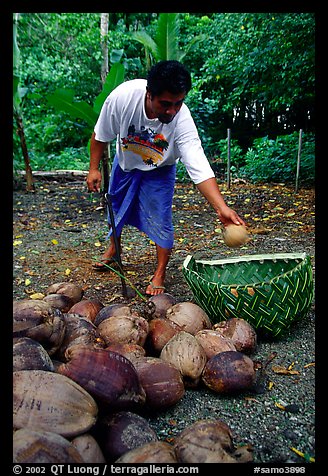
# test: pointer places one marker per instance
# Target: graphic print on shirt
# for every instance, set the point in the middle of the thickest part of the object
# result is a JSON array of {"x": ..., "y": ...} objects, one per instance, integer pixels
[{"x": 147, "y": 143}]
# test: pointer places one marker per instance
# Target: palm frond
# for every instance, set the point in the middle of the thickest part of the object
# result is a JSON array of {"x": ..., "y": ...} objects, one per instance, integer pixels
[
  {"x": 167, "y": 36},
  {"x": 146, "y": 41}
]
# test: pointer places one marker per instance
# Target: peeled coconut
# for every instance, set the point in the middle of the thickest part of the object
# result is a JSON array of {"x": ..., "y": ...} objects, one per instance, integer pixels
[
  {"x": 89, "y": 449},
  {"x": 161, "y": 380},
  {"x": 129, "y": 329},
  {"x": 240, "y": 332},
  {"x": 235, "y": 235},
  {"x": 123, "y": 431},
  {"x": 87, "y": 308},
  {"x": 184, "y": 351},
  {"x": 118, "y": 309},
  {"x": 160, "y": 332},
  {"x": 130, "y": 351},
  {"x": 189, "y": 316},
  {"x": 209, "y": 441},
  {"x": 71, "y": 290},
  {"x": 213, "y": 342},
  {"x": 229, "y": 372},
  {"x": 162, "y": 303}
]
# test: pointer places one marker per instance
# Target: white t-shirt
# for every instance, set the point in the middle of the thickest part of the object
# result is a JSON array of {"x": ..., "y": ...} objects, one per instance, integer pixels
[{"x": 144, "y": 143}]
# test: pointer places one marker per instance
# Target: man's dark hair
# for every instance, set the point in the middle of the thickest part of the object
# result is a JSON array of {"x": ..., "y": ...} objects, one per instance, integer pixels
[{"x": 170, "y": 76}]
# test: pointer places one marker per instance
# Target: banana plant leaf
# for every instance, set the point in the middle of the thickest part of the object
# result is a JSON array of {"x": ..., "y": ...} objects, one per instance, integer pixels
[
  {"x": 114, "y": 78},
  {"x": 63, "y": 100}
]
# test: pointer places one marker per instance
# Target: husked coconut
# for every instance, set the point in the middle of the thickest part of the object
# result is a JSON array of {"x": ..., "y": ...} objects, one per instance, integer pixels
[
  {"x": 78, "y": 331},
  {"x": 129, "y": 329},
  {"x": 185, "y": 353},
  {"x": 48, "y": 401},
  {"x": 36, "y": 447},
  {"x": 71, "y": 290},
  {"x": 240, "y": 332},
  {"x": 229, "y": 372},
  {"x": 162, "y": 303},
  {"x": 189, "y": 316},
  {"x": 59, "y": 301},
  {"x": 89, "y": 449},
  {"x": 39, "y": 321},
  {"x": 213, "y": 342},
  {"x": 117, "y": 309},
  {"x": 123, "y": 431},
  {"x": 160, "y": 332},
  {"x": 88, "y": 308},
  {"x": 161, "y": 381},
  {"x": 30, "y": 355},
  {"x": 209, "y": 441},
  {"x": 109, "y": 377}
]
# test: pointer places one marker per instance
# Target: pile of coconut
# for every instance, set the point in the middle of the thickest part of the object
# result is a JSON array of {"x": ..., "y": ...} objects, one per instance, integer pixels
[{"x": 84, "y": 372}]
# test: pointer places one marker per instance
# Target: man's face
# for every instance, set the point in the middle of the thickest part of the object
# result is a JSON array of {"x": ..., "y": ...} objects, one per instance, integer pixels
[{"x": 165, "y": 106}]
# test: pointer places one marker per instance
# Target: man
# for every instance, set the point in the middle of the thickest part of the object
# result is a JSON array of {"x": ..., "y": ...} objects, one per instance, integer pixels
[{"x": 153, "y": 128}]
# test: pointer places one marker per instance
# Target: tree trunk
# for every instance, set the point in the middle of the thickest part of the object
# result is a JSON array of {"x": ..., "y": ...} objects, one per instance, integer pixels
[
  {"x": 104, "y": 45},
  {"x": 20, "y": 130},
  {"x": 104, "y": 71}
]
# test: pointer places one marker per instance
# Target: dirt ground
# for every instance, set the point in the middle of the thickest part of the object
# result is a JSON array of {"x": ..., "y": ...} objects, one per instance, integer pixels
[{"x": 60, "y": 230}]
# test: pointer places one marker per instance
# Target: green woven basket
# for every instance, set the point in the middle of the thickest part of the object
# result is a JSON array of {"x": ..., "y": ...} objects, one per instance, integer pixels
[{"x": 270, "y": 291}]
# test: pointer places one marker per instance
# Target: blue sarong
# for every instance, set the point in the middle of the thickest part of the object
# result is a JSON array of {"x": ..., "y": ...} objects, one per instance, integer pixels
[{"x": 144, "y": 199}]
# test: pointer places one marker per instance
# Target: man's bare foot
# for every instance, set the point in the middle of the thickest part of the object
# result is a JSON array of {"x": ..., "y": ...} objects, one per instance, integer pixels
[
  {"x": 156, "y": 286},
  {"x": 108, "y": 258}
]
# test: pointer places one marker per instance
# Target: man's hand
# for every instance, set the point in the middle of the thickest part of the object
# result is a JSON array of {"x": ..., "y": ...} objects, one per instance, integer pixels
[
  {"x": 94, "y": 180},
  {"x": 209, "y": 188},
  {"x": 227, "y": 216}
]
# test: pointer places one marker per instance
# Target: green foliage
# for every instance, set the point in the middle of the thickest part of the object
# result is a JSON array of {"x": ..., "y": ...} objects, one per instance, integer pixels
[
  {"x": 257, "y": 74},
  {"x": 70, "y": 158},
  {"x": 275, "y": 160},
  {"x": 181, "y": 173},
  {"x": 63, "y": 100},
  {"x": 165, "y": 44},
  {"x": 236, "y": 153},
  {"x": 254, "y": 74},
  {"x": 114, "y": 78}
]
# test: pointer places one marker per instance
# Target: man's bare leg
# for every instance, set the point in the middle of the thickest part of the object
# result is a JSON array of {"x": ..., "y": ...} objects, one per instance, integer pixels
[
  {"x": 157, "y": 282},
  {"x": 108, "y": 254}
]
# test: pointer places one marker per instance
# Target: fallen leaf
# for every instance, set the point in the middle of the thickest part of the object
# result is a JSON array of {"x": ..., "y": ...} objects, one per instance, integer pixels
[
  {"x": 283, "y": 371},
  {"x": 27, "y": 282},
  {"x": 282, "y": 407},
  {"x": 311, "y": 364},
  {"x": 67, "y": 271},
  {"x": 303, "y": 455},
  {"x": 36, "y": 296},
  {"x": 54, "y": 242}
]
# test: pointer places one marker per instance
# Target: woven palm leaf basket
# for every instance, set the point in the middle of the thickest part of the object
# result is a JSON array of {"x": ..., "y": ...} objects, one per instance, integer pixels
[{"x": 270, "y": 291}]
